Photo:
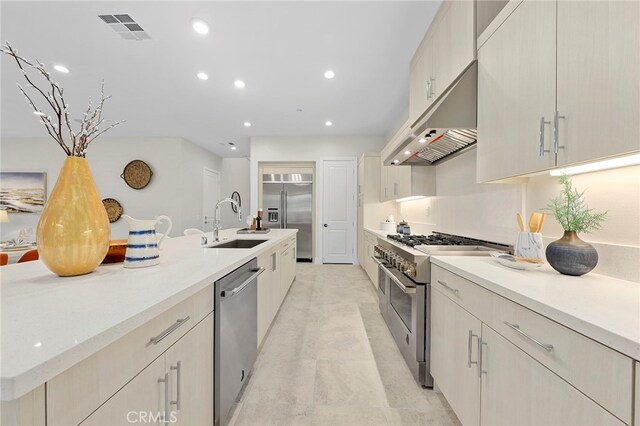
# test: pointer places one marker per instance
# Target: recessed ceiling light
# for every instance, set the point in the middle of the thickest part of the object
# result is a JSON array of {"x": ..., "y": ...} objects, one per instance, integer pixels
[
  {"x": 200, "y": 26},
  {"x": 328, "y": 123},
  {"x": 61, "y": 68},
  {"x": 239, "y": 84},
  {"x": 396, "y": 161},
  {"x": 422, "y": 140},
  {"x": 38, "y": 113},
  {"x": 203, "y": 76},
  {"x": 247, "y": 124},
  {"x": 233, "y": 148},
  {"x": 329, "y": 74},
  {"x": 407, "y": 152}
]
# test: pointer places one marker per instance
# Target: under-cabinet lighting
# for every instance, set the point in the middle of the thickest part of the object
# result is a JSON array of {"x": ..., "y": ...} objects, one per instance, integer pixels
[
  {"x": 422, "y": 140},
  {"x": 415, "y": 197},
  {"x": 613, "y": 163}
]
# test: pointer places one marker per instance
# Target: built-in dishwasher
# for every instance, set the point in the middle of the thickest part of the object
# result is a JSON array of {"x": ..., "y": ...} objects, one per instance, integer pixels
[{"x": 236, "y": 335}]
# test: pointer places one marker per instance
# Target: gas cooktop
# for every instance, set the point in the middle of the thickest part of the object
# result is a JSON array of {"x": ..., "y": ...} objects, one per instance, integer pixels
[{"x": 442, "y": 239}]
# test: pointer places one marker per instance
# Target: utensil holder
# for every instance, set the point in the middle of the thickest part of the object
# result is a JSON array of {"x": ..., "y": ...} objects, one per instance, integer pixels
[{"x": 529, "y": 244}]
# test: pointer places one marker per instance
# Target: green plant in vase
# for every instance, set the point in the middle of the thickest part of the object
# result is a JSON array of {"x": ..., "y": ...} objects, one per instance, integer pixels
[{"x": 570, "y": 255}]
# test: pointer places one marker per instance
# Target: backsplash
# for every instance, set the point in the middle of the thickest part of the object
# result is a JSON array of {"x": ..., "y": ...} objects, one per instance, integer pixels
[{"x": 487, "y": 211}]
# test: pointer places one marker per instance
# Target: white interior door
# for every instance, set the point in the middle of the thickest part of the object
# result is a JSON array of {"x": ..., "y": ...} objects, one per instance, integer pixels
[
  {"x": 338, "y": 211},
  {"x": 210, "y": 197}
]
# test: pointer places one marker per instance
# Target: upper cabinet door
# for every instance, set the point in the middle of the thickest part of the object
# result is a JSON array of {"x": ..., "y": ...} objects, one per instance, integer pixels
[
  {"x": 598, "y": 79},
  {"x": 516, "y": 93}
]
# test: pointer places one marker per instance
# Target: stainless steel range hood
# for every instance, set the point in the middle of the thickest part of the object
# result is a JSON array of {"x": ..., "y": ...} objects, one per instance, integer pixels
[{"x": 446, "y": 129}]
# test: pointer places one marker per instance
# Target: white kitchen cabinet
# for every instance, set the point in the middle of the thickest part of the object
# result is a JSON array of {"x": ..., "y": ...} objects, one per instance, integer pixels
[
  {"x": 444, "y": 53},
  {"x": 370, "y": 267},
  {"x": 516, "y": 94},
  {"x": 142, "y": 400},
  {"x": 598, "y": 95},
  {"x": 267, "y": 285},
  {"x": 516, "y": 389},
  {"x": 178, "y": 384},
  {"x": 74, "y": 394},
  {"x": 454, "y": 356},
  {"x": 189, "y": 363},
  {"x": 637, "y": 394},
  {"x": 571, "y": 96},
  {"x": 535, "y": 370}
]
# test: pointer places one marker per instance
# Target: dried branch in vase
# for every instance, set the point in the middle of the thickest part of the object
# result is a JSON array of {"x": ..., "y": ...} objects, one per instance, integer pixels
[{"x": 60, "y": 128}]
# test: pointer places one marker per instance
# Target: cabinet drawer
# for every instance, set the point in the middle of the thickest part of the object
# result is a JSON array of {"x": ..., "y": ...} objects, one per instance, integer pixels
[
  {"x": 77, "y": 392},
  {"x": 599, "y": 372},
  {"x": 596, "y": 370}
]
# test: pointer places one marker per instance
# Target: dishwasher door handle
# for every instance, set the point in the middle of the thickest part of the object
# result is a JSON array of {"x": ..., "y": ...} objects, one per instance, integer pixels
[{"x": 230, "y": 293}]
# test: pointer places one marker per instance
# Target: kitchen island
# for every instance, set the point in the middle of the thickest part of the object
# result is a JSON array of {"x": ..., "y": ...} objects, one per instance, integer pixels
[{"x": 51, "y": 324}]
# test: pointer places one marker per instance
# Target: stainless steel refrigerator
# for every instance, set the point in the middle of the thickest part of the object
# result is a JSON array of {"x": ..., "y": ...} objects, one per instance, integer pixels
[{"x": 287, "y": 201}]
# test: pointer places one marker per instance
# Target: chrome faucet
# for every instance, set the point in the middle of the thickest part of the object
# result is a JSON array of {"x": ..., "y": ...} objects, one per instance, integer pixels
[{"x": 216, "y": 228}]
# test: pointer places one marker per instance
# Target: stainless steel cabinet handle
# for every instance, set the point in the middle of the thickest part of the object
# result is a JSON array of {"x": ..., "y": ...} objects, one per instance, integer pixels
[
  {"x": 431, "y": 91},
  {"x": 273, "y": 262},
  {"x": 471, "y": 336},
  {"x": 405, "y": 289},
  {"x": 157, "y": 339},
  {"x": 229, "y": 293},
  {"x": 428, "y": 89},
  {"x": 177, "y": 401},
  {"x": 541, "y": 147},
  {"x": 481, "y": 345},
  {"x": 556, "y": 137},
  {"x": 165, "y": 380},
  {"x": 286, "y": 213},
  {"x": 451, "y": 289},
  {"x": 547, "y": 347}
]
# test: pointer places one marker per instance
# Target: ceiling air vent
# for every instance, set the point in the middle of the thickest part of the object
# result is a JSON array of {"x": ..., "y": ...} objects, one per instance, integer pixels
[{"x": 126, "y": 26}]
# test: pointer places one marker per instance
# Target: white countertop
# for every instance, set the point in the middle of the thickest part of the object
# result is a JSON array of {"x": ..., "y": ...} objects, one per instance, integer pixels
[
  {"x": 50, "y": 323},
  {"x": 604, "y": 309}
]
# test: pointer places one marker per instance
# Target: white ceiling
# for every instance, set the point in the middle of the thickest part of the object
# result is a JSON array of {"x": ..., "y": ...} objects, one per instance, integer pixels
[{"x": 280, "y": 49}]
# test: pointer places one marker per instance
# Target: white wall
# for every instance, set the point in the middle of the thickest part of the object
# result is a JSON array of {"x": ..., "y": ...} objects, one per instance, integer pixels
[
  {"x": 487, "y": 211},
  {"x": 175, "y": 189},
  {"x": 310, "y": 149},
  {"x": 234, "y": 176}
]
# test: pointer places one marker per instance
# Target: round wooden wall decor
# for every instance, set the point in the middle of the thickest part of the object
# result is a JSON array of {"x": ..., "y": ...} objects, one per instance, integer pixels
[
  {"x": 236, "y": 197},
  {"x": 114, "y": 209},
  {"x": 137, "y": 174}
]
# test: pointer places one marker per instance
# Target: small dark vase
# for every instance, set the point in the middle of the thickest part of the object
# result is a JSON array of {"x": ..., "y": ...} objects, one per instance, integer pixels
[{"x": 571, "y": 256}]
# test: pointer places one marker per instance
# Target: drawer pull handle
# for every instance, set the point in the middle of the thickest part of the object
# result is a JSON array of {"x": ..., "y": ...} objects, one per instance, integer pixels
[
  {"x": 160, "y": 337},
  {"x": 471, "y": 336},
  {"x": 165, "y": 416},
  {"x": 177, "y": 402},
  {"x": 547, "y": 347},
  {"x": 451, "y": 289}
]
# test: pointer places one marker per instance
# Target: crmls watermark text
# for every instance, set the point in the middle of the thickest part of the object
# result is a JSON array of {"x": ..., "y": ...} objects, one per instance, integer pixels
[{"x": 150, "y": 417}]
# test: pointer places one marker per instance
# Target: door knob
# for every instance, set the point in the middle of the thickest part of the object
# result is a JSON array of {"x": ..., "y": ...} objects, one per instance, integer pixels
[{"x": 326, "y": 226}]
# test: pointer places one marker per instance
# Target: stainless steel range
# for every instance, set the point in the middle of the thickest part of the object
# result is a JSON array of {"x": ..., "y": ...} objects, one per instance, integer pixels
[{"x": 404, "y": 291}]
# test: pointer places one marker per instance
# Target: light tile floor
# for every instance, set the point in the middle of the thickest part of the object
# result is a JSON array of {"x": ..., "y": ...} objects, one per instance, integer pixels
[{"x": 330, "y": 360}]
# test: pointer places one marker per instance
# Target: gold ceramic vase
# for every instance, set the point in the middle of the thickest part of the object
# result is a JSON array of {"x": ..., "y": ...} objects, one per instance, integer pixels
[{"x": 73, "y": 231}]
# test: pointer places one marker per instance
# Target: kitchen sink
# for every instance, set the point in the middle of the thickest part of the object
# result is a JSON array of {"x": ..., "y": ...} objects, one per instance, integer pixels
[{"x": 239, "y": 244}]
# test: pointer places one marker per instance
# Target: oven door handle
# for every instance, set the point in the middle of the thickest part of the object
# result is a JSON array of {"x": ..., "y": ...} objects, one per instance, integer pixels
[{"x": 404, "y": 288}]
